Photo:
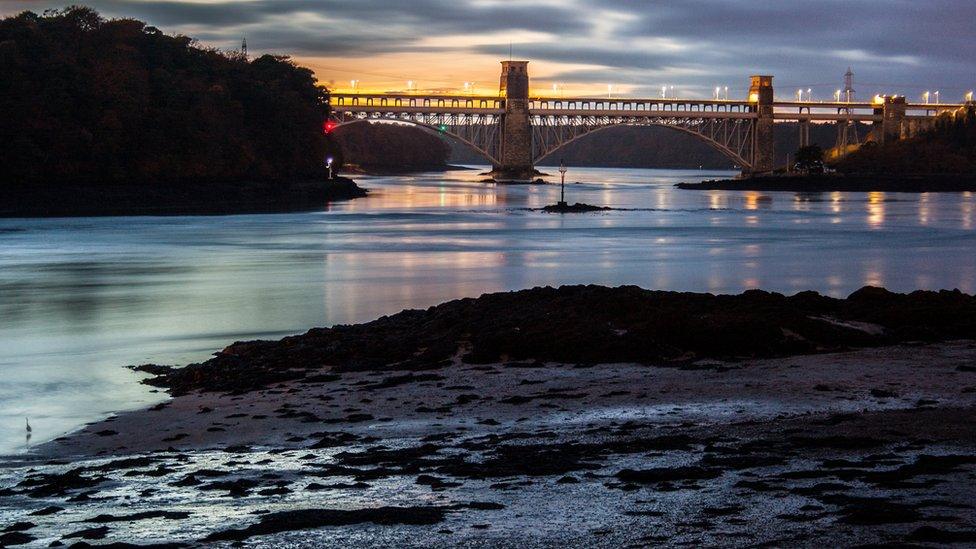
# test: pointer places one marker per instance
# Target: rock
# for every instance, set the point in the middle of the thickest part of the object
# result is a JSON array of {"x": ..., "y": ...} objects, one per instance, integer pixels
[
  {"x": 667, "y": 474},
  {"x": 574, "y": 208},
  {"x": 586, "y": 325},
  {"x": 15, "y": 538},
  {"x": 90, "y": 533},
  {"x": 304, "y": 519}
]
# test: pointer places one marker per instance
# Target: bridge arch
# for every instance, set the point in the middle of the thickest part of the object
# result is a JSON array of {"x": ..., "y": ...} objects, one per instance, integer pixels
[
  {"x": 429, "y": 127},
  {"x": 546, "y": 148}
]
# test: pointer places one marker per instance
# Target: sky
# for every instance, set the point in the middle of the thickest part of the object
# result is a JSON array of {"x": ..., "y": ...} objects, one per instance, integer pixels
[{"x": 591, "y": 47}]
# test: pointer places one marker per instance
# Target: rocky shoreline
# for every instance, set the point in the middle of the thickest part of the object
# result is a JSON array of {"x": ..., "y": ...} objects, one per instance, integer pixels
[
  {"x": 182, "y": 198},
  {"x": 588, "y": 325},
  {"x": 678, "y": 418},
  {"x": 842, "y": 183}
]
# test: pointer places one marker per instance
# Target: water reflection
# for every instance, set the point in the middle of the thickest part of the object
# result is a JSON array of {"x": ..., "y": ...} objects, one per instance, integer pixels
[
  {"x": 876, "y": 209},
  {"x": 81, "y": 297}
]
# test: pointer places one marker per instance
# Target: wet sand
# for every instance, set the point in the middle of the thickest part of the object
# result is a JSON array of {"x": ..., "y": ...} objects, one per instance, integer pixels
[{"x": 871, "y": 446}]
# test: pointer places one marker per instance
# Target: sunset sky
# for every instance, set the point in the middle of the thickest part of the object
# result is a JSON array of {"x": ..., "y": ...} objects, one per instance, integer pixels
[{"x": 584, "y": 46}]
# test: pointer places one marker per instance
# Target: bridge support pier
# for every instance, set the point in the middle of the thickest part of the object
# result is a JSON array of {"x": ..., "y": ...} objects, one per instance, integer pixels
[
  {"x": 805, "y": 133},
  {"x": 515, "y": 146},
  {"x": 763, "y": 146},
  {"x": 892, "y": 112}
]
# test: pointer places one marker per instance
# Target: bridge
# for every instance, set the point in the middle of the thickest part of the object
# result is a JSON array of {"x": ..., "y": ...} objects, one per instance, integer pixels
[{"x": 515, "y": 130}]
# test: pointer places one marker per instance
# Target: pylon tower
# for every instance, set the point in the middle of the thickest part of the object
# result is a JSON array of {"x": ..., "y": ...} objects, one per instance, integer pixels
[{"x": 847, "y": 129}]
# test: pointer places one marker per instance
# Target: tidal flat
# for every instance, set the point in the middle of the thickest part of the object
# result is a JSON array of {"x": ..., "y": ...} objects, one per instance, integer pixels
[{"x": 873, "y": 443}]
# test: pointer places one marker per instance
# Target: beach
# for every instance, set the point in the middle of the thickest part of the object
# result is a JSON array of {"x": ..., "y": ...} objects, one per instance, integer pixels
[{"x": 870, "y": 444}]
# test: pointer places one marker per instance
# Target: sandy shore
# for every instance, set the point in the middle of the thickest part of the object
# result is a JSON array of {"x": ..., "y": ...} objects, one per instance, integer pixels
[{"x": 869, "y": 446}]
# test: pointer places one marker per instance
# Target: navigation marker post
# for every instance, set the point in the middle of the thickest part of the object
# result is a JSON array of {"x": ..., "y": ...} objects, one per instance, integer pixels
[{"x": 562, "y": 184}]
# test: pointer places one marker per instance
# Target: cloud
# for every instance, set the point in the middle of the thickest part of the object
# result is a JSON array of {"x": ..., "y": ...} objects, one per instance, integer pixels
[{"x": 894, "y": 45}]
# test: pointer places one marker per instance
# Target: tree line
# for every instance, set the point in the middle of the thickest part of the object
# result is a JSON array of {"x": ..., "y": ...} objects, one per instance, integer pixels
[
  {"x": 85, "y": 100},
  {"x": 948, "y": 147}
]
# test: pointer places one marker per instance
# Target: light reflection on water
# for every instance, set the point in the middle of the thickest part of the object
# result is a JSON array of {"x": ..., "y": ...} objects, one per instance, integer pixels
[{"x": 81, "y": 297}]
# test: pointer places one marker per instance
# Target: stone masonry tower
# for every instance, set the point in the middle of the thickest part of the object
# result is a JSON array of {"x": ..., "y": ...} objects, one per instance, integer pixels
[
  {"x": 763, "y": 147},
  {"x": 892, "y": 111},
  {"x": 515, "y": 150}
]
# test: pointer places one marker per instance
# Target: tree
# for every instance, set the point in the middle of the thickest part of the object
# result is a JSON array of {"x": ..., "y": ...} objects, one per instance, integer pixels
[
  {"x": 809, "y": 159},
  {"x": 90, "y": 101}
]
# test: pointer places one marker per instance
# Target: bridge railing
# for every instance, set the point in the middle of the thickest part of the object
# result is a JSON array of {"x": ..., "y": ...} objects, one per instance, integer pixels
[
  {"x": 633, "y": 104},
  {"x": 342, "y": 101}
]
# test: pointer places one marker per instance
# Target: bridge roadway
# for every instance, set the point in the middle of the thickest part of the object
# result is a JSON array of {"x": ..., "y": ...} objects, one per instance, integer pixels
[
  {"x": 514, "y": 130},
  {"x": 394, "y": 103}
]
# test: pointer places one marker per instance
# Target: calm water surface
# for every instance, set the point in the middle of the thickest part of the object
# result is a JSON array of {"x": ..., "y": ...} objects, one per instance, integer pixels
[{"x": 79, "y": 298}]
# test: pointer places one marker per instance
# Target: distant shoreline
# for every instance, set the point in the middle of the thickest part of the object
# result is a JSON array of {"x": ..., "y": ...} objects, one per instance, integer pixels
[
  {"x": 186, "y": 198},
  {"x": 842, "y": 183},
  {"x": 398, "y": 170}
]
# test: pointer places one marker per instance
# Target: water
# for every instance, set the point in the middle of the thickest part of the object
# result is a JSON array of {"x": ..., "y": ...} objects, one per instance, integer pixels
[{"x": 80, "y": 298}]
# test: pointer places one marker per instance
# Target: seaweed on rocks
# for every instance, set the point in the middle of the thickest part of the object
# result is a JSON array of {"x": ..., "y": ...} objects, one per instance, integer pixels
[
  {"x": 304, "y": 519},
  {"x": 586, "y": 324}
]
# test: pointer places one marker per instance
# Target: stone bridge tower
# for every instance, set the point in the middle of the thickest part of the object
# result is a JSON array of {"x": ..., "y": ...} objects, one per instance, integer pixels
[
  {"x": 763, "y": 146},
  {"x": 515, "y": 147},
  {"x": 892, "y": 111}
]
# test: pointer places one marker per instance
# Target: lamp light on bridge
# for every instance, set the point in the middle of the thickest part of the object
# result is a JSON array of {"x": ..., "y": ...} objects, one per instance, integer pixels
[
  {"x": 664, "y": 92},
  {"x": 609, "y": 91},
  {"x": 936, "y": 97},
  {"x": 809, "y": 94},
  {"x": 717, "y": 91},
  {"x": 925, "y": 97},
  {"x": 969, "y": 96},
  {"x": 409, "y": 85},
  {"x": 837, "y": 96},
  {"x": 353, "y": 84},
  {"x": 878, "y": 99},
  {"x": 726, "y": 93}
]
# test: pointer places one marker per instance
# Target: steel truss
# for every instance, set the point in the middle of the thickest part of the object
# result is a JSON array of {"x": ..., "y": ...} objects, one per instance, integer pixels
[
  {"x": 734, "y": 137},
  {"x": 478, "y": 131}
]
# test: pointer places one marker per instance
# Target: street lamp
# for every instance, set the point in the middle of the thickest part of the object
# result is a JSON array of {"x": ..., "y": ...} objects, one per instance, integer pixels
[
  {"x": 673, "y": 96},
  {"x": 809, "y": 94},
  {"x": 717, "y": 91},
  {"x": 837, "y": 96},
  {"x": 328, "y": 164},
  {"x": 936, "y": 97},
  {"x": 799, "y": 95},
  {"x": 726, "y": 93},
  {"x": 664, "y": 92},
  {"x": 969, "y": 96},
  {"x": 354, "y": 83},
  {"x": 925, "y": 96},
  {"x": 609, "y": 90},
  {"x": 562, "y": 183}
]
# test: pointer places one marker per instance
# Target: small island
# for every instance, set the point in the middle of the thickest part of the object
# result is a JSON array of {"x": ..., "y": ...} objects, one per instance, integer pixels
[{"x": 579, "y": 207}]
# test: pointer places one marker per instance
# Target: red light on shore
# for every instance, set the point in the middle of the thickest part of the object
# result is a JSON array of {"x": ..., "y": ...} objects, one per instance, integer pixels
[{"x": 329, "y": 125}]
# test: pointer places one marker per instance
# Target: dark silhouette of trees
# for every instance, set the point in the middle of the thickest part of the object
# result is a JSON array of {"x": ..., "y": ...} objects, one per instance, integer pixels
[
  {"x": 84, "y": 100},
  {"x": 948, "y": 147},
  {"x": 809, "y": 159}
]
